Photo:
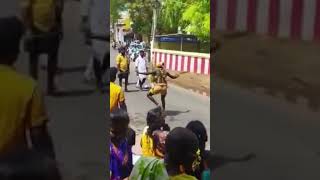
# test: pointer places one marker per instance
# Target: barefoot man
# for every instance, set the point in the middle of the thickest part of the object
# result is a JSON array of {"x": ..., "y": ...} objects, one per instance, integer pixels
[{"x": 160, "y": 84}]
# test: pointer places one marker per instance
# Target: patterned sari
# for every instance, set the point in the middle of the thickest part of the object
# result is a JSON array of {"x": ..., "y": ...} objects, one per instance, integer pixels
[{"x": 120, "y": 160}]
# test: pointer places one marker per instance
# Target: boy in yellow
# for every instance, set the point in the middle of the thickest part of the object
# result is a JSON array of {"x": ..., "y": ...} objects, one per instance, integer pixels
[
  {"x": 43, "y": 18},
  {"x": 117, "y": 98},
  {"x": 21, "y": 107},
  {"x": 123, "y": 67}
]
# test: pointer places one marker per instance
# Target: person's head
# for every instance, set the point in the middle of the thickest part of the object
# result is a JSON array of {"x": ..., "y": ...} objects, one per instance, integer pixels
[
  {"x": 142, "y": 54},
  {"x": 119, "y": 124},
  {"x": 200, "y": 131},
  {"x": 113, "y": 74},
  {"x": 122, "y": 51},
  {"x": 11, "y": 32},
  {"x": 155, "y": 120},
  {"x": 182, "y": 154}
]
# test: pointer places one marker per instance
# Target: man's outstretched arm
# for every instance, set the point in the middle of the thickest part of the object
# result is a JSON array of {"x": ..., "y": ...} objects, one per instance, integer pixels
[
  {"x": 173, "y": 76},
  {"x": 147, "y": 73}
]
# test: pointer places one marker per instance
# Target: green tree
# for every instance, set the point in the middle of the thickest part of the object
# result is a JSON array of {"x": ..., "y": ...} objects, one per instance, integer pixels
[
  {"x": 141, "y": 12},
  {"x": 170, "y": 17},
  {"x": 197, "y": 18},
  {"x": 116, "y": 6}
]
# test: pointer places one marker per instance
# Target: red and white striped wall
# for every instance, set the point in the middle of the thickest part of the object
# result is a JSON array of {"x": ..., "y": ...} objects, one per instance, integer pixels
[
  {"x": 182, "y": 61},
  {"x": 294, "y": 19}
]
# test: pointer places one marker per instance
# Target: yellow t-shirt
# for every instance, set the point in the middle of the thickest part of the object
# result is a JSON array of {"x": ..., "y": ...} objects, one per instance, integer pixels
[
  {"x": 43, "y": 13},
  {"x": 146, "y": 144},
  {"x": 116, "y": 95},
  {"x": 123, "y": 62},
  {"x": 21, "y": 108}
]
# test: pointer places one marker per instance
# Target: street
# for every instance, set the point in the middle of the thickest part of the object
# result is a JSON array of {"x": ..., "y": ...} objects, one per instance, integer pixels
[
  {"x": 182, "y": 106},
  {"x": 285, "y": 137}
]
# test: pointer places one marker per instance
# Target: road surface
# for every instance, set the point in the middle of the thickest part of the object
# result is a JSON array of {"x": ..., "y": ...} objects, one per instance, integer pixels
[
  {"x": 182, "y": 106},
  {"x": 285, "y": 137}
]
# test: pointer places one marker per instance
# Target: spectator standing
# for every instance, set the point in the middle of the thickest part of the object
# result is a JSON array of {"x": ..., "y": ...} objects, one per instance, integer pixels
[
  {"x": 22, "y": 108},
  {"x": 123, "y": 65},
  {"x": 43, "y": 19},
  {"x": 153, "y": 134},
  {"x": 182, "y": 157},
  {"x": 117, "y": 99},
  {"x": 120, "y": 150}
]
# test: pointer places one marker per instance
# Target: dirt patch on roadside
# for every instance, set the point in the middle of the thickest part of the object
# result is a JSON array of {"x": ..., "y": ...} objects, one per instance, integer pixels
[
  {"x": 196, "y": 82},
  {"x": 287, "y": 67}
]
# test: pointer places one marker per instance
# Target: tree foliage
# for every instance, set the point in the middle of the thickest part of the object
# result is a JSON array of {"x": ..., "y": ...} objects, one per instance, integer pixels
[
  {"x": 193, "y": 16},
  {"x": 116, "y": 6},
  {"x": 141, "y": 13},
  {"x": 197, "y": 18}
]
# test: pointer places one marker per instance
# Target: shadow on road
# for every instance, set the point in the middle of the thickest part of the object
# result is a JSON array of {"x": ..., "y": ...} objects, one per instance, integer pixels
[
  {"x": 129, "y": 91},
  {"x": 73, "y": 93},
  {"x": 132, "y": 83},
  {"x": 219, "y": 160},
  {"x": 175, "y": 113}
]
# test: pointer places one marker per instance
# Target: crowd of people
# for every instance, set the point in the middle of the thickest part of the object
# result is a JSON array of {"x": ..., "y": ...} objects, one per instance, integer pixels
[{"x": 167, "y": 153}]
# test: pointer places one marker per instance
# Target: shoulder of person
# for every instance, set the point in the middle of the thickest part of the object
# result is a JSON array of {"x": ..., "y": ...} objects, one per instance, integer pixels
[{"x": 26, "y": 81}]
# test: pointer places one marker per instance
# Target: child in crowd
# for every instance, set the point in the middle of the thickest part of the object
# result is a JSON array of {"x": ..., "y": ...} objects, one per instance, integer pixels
[
  {"x": 210, "y": 161},
  {"x": 120, "y": 149},
  {"x": 155, "y": 131},
  {"x": 182, "y": 157},
  {"x": 182, "y": 154},
  {"x": 200, "y": 131}
]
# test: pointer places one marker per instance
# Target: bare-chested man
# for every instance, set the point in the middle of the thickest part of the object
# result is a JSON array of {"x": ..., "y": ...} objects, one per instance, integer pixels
[{"x": 160, "y": 84}]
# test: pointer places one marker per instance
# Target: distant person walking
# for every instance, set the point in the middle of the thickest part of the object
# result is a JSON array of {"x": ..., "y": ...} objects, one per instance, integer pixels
[
  {"x": 22, "y": 108},
  {"x": 43, "y": 19},
  {"x": 141, "y": 66},
  {"x": 123, "y": 65}
]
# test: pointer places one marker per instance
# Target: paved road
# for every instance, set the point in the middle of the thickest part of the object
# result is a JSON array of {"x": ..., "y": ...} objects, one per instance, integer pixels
[
  {"x": 284, "y": 136},
  {"x": 182, "y": 105}
]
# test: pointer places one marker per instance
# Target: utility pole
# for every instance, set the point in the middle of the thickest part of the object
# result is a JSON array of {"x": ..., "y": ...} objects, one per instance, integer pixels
[{"x": 156, "y": 5}]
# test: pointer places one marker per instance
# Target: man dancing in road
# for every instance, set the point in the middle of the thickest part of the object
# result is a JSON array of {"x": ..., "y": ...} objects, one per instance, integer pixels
[{"x": 160, "y": 84}]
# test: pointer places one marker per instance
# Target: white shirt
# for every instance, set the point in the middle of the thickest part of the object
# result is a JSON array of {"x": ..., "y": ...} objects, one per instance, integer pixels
[{"x": 141, "y": 65}]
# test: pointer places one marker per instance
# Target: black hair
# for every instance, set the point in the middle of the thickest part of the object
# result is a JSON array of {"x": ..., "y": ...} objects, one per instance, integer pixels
[
  {"x": 119, "y": 123},
  {"x": 113, "y": 74},
  {"x": 180, "y": 149},
  {"x": 200, "y": 131},
  {"x": 155, "y": 120},
  {"x": 11, "y": 32}
]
